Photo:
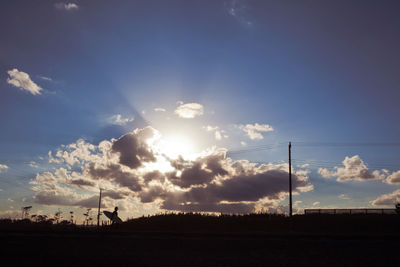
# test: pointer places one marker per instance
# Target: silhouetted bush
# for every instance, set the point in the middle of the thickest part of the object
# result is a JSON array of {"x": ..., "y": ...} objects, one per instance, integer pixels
[{"x": 197, "y": 222}]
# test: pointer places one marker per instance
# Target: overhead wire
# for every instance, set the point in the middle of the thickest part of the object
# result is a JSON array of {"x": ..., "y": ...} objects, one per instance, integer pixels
[{"x": 348, "y": 144}]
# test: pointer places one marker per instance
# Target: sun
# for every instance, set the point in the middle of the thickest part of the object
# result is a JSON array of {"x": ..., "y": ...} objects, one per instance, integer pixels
[
  {"x": 169, "y": 148},
  {"x": 177, "y": 145}
]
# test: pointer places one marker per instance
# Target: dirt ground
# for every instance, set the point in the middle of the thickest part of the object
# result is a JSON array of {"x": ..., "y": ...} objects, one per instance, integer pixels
[{"x": 197, "y": 249}]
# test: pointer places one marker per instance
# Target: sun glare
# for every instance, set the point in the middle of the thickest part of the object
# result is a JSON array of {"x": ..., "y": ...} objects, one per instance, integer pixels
[{"x": 175, "y": 146}]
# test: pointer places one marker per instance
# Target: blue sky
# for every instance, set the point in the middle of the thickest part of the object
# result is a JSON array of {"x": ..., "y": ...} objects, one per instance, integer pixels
[{"x": 300, "y": 71}]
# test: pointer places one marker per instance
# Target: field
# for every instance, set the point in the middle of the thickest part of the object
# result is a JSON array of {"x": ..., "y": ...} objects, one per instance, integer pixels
[{"x": 195, "y": 240}]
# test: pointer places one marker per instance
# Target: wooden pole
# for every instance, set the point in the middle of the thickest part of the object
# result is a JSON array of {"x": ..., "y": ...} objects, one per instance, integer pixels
[
  {"x": 98, "y": 212},
  {"x": 290, "y": 179}
]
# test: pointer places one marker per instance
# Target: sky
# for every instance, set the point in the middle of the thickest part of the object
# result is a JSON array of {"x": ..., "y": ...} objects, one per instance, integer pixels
[{"x": 179, "y": 106}]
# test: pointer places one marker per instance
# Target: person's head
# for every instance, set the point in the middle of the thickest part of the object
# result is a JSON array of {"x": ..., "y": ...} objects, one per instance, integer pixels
[{"x": 116, "y": 208}]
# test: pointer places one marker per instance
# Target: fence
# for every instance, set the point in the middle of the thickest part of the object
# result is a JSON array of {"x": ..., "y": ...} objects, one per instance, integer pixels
[{"x": 349, "y": 211}]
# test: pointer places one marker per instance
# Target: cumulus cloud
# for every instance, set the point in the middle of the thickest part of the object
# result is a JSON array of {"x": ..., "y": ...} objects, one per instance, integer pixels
[
  {"x": 80, "y": 152},
  {"x": 117, "y": 119},
  {"x": 189, "y": 110},
  {"x": 3, "y": 167},
  {"x": 81, "y": 182},
  {"x": 116, "y": 174},
  {"x": 254, "y": 131},
  {"x": 211, "y": 182},
  {"x": 344, "y": 196},
  {"x": 394, "y": 178},
  {"x": 160, "y": 110},
  {"x": 387, "y": 199},
  {"x": 66, "y": 6},
  {"x": 218, "y": 133},
  {"x": 133, "y": 149},
  {"x": 354, "y": 170},
  {"x": 22, "y": 80}
]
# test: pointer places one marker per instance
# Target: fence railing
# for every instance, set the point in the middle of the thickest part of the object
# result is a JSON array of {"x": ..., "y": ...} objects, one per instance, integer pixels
[{"x": 349, "y": 211}]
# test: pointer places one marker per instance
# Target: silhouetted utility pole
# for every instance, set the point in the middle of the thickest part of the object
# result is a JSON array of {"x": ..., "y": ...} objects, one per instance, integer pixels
[
  {"x": 290, "y": 179},
  {"x": 98, "y": 213}
]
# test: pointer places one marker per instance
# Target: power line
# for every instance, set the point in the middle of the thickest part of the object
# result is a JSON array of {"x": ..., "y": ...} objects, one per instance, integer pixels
[
  {"x": 348, "y": 144},
  {"x": 313, "y": 144},
  {"x": 254, "y": 148}
]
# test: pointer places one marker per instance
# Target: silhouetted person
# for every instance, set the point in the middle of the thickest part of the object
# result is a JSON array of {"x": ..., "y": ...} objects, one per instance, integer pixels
[
  {"x": 114, "y": 215},
  {"x": 398, "y": 208}
]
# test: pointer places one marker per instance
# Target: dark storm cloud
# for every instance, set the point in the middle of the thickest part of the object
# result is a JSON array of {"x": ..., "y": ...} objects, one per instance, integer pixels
[
  {"x": 211, "y": 187},
  {"x": 91, "y": 202},
  {"x": 152, "y": 193},
  {"x": 211, "y": 183},
  {"x": 82, "y": 182},
  {"x": 114, "y": 194},
  {"x": 153, "y": 176},
  {"x": 249, "y": 187},
  {"x": 114, "y": 172},
  {"x": 52, "y": 197},
  {"x": 242, "y": 188},
  {"x": 201, "y": 171},
  {"x": 65, "y": 199},
  {"x": 133, "y": 150}
]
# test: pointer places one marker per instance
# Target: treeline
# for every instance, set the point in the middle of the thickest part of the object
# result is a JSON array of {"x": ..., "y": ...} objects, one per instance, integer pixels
[{"x": 197, "y": 222}]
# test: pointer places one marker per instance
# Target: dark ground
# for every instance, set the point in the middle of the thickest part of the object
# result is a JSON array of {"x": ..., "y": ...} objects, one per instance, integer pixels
[{"x": 125, "y": 245}]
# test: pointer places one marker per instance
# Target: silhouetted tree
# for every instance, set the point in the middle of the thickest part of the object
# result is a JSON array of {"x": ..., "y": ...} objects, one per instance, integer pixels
[
  {"x": 87, "y": 215},
  {"x": 25, "y": 211},
  {"x": 57, "y": 216}
]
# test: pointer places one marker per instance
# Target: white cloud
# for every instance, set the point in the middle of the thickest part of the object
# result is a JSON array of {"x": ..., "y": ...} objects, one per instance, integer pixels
[
  {"x": 22, "y": 80},
  {"x": 305, "y": 165},
  {"x": 316, "y": 203},
  {"x": 33, "y": 164},
  {"x": 253, "y": 131},
  {"x": 160, "y": 110},
  {"x": 297, "y": 203},
  {"x": 354, "y": 169},
  {"x": 218, "y": 133},
  {"x": 46, "y": 78},
  {"x": 238, "y": 9},
  {"x": 387, "y": 199},
  {"x": 210, "y": 182},
  {"x": 3, "y": 167},
  {"x": 394, "y": 178},
  {"x": 344, "y": 196},
  {"x": 189, "y": 110},
  {"x": 119, "y": 120},
  {"x": 66, "y": 6},
  {"x": 243, "y": 143}
]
